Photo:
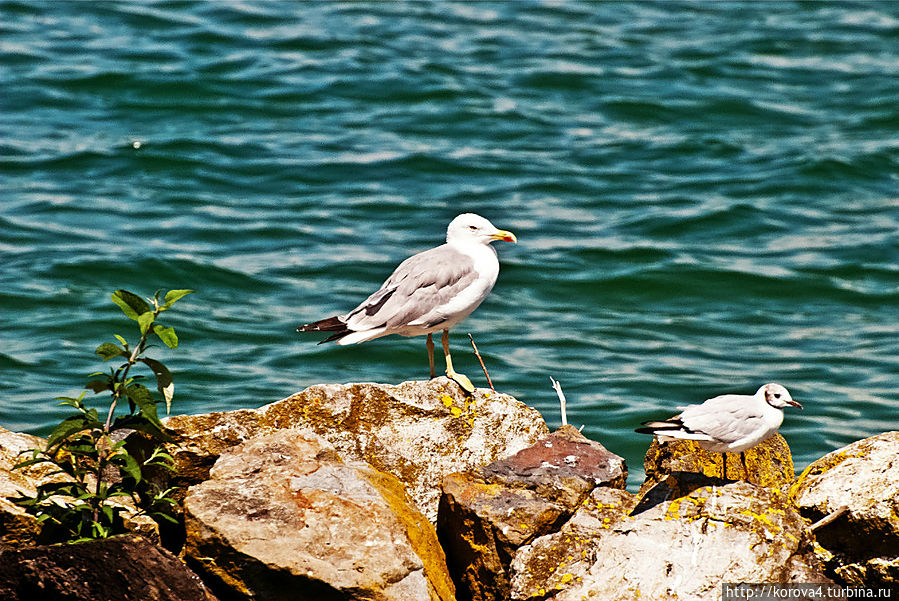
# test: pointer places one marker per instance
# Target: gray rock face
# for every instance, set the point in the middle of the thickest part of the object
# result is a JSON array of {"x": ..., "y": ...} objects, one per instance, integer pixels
[
  {"x": 861, "y": 546},
  {"x": 680, "y": 549},
  {"x": 487, "y": 514},
  {"x": 283, "y": 517},
  {"x": 143, "y": 572},
  {"x": 419, "y": 431}
]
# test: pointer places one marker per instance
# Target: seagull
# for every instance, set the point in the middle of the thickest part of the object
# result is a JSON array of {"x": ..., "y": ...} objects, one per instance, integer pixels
[
  {"x": 730, "y": 423},
  {"x": 428, "y": 292}
]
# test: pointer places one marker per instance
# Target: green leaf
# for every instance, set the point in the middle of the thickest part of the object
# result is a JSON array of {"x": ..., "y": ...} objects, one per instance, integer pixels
[
  {"x": 140, "y": 396},
  {"x": 122, "y": 340},
  {"x": 173, "y": 295},
  {"x": 142, "y": 424},
  {"x": 167, "y": 335},
  {"x": 128, "y": 465},
  {"x": 108, "y": 350},
  {"x": 30, "y": 462},
  {"x": 131, "y": 304},
  {"x": 72, "y": 402},
  {"x": 70, "y": 426},
  {"x": 163, "y": 381},
  {"x": 145, "y": 320},
  {"x": 99, "y": 386}
]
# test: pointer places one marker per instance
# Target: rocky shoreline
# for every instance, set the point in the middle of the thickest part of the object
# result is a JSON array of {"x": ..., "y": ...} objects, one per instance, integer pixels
[{"x": 421, "y": 492}]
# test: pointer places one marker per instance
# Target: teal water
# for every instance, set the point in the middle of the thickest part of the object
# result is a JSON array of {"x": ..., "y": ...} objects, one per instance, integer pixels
[{"x": 706, "y": 196}]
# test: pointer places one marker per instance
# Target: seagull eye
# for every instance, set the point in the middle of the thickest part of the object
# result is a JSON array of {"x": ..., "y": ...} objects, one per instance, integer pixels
[
  {"x": 776, "y": 395},
  {"x": 472, "y": 227}
]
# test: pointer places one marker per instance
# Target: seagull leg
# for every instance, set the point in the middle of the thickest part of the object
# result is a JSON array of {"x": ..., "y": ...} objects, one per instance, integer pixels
[
  {"x": 745, "y": 469},
  {"x": 461, "y": 380},
  {"x": 430, "y": 344}
]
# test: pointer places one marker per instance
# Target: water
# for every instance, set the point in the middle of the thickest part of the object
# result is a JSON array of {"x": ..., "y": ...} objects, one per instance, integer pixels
[{"x": 705, "y": 196}]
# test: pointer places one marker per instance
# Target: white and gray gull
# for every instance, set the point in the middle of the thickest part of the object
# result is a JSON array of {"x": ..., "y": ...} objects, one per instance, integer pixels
[
  {"x": 428, "y": 292},
  {"x": 730, "y": 423}
]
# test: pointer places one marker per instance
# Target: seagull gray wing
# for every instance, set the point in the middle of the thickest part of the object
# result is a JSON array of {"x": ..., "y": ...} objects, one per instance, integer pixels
[
  {"x": 416, "y": 291},
  {"x": 727, "y": 418}
]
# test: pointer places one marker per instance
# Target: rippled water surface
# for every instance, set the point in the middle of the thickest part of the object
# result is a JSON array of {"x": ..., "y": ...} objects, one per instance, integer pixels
[{"x": 705, "y": 195}]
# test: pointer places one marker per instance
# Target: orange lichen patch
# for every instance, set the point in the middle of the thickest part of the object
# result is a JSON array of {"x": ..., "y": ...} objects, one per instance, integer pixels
[
  {"x": 421, "y": 534},
  {"x": 769, "y": 464}
]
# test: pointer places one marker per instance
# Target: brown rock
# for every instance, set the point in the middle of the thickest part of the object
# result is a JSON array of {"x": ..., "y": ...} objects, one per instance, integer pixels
[
  {"x": 418, "y": 431},
  {"x": 485, "y": 515},
  {"x": 17, "y": 527},
  {"x": 862, "y": 543},
  {"x": 283, "y": 517},
  {"x": 680, "y": 549},
  {"x": 124, "y": 568}
]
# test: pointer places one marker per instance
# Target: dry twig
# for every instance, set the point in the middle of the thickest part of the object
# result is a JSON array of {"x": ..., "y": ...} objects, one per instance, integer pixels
[{"x": 484, "y": 367}]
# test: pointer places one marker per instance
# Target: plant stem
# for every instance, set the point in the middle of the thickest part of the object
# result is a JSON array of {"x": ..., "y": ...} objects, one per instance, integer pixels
[{"x": 123, "y": 377}]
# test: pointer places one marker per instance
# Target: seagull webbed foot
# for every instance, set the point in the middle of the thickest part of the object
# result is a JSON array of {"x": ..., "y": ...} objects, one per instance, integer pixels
[{"x": 461, "y": 380}]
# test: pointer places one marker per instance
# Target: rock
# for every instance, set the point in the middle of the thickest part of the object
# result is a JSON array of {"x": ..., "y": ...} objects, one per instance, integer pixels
[
  {"x": 676, "y": 468},
  {"x": 862, "y": 544},
  {"x": 143, "y": 572},
  {"x": 18, "y": 528},
  {"x": 418, "y": 431},
  {"x": 486, "y": 514},
  {"x": 684, "y": 548},
  {"x": 283, "y": 517}
]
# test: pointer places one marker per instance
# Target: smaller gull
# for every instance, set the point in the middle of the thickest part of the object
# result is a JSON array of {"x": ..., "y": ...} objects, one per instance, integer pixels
[
  {"x": 730, "y": 423},
  {"x": 428, "y": 292}
]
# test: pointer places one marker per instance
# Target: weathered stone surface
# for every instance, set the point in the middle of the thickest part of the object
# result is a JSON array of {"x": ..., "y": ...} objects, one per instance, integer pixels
[
  {"x": 487, "y": 514},
  {"x": 680, "y": 549},
  {"x": 862, "y": 544},
  {"x": 19, "y": 529},
  {"x": 675, "y": 468},
  {"x": 142, "y": 572},
  {"x": 283, "y": 517},
  {"x": 418, "y": 431}
]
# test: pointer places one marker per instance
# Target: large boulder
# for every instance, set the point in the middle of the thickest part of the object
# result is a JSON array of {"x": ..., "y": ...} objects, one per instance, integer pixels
[
  {"x": 418, "y": 431},
  {"x": 142, "y": 572},
  {"x": 857, "y": 489},
  {"x": 678, "y": 549},
  {"x": 284, "y": 517},
  {"x": 488, "y": 513}
]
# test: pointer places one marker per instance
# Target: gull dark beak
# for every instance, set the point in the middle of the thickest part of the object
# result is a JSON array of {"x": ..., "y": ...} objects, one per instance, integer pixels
[
  {"x": 794, "y": 403},
  {"x": 505, "y": 235}
]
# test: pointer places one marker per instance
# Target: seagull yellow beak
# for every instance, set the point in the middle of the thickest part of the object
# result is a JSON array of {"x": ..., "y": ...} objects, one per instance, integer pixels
[{"x": 504, "y": 235}]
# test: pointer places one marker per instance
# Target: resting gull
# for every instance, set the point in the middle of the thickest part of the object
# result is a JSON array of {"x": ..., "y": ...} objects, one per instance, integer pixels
[
  {"x": 730, "y": 423},
  {"x": 431, "y": 291}
]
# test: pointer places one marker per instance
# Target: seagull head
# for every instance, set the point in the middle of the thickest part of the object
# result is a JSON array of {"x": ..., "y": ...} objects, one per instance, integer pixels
[
  {"x": 777, "y": 396},
  {"x": 469, "y": 227}
]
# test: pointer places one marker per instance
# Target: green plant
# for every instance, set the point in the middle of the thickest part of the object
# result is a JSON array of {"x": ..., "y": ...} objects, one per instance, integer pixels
[{"x": 91, "y": 463}]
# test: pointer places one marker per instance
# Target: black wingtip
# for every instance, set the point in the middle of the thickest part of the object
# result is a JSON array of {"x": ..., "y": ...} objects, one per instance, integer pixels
[{"x": 331, "y": 324}]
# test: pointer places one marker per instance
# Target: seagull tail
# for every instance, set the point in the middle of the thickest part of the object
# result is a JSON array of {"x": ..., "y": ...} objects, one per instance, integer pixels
[{"x": 332, "y": 324}]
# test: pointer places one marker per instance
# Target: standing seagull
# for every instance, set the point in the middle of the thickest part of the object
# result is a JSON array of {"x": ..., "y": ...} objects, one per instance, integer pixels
[
  {"x": 433, "y": 290},
  {"x": 730, "y": 423}
]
